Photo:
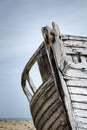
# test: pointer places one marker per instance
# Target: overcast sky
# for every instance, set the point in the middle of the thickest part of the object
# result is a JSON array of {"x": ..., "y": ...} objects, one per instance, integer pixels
[{"x": 20, "y": 36}]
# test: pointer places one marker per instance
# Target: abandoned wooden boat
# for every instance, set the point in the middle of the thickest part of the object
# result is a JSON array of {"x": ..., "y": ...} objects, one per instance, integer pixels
[{"x": 60, "y": 102}]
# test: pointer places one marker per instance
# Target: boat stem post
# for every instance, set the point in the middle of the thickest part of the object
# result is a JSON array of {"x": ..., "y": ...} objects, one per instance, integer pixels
[{"x": 57, "y": 58}]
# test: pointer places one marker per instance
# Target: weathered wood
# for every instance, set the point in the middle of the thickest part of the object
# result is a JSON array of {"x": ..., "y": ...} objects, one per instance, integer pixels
[
  {"x": 80, "y": 113},
  {"x": 27, "y": 93},
  {"x": 31, "y": 83},
  {"x": 47, "y": 110},
  {"x": 76, "y": 73},
  {"x": 76, "y": 44},
  {"x": 44, "y": 65},
  {"x": 66, "y": 77},
  {"x": 53, "y": 118},
  {"x": 58, "y": 56},
  {"x": 40, "y": 103},
  {"x": 78, "y": 91},
  {"x": 81, "y": 119},
  {"x": 60, "y": 120},
  {"x": 56, "y": 30},
  {"x": 74, "y": 59},
  {"x": 58, "y": 48},
  {"x": 78, "y": 66},
  {"x": 42, "y": 100},
  {"x": 82, "y": 126},
  {"x": 69, "y": 58},
  {"x": 68, "y": 103},
  {"x": 57, "y": 45},
  {"x": 46, "y": 107},
  {"x": 26, "y": 70},
  {"x": 81, "y": 51},
  {"x": 83, "y": 59},
  {"x": 61, "y": 101},
  {"x": 79, "y": 105},
  {"x": 79, "y": 98},
  {"x": 74, "y": 38},
  {"x": 77, "y": 83},
  {"x": 49, "y": 83}
]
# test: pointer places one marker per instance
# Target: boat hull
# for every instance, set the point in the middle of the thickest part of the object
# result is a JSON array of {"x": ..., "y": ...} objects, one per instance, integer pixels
[
  {"x": 60, "y": 103},
  {"x": 47, "y": 110}
]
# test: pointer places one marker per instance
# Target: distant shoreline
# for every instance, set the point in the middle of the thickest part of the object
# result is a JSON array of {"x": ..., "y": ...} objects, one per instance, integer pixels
[{"x": 15, "y": 119}]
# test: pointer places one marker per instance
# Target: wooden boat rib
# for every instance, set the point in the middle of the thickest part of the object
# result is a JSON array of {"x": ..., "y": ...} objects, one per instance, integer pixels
[{"x": 60, "y": 103}]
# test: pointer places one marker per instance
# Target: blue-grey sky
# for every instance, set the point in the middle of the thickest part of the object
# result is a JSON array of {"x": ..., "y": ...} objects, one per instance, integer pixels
[{"x": 20, "y": 36}]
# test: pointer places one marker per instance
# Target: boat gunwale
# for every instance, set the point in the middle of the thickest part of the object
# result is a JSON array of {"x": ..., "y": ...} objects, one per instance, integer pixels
[{"x": 33, "y": 59}]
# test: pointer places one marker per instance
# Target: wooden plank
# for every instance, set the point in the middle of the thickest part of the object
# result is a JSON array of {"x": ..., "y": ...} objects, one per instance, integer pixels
[
  {"x": 59, "y": 120},
  {"x": 68, "y": 104},
  {"x": 79, "y": 105},
  {"x": 27, "y": 93},
  {"x": 66, "y": 77},
  {"x": 52, "y": 37},
  {"x": 46, "y": 86},
  {"x": 47, "y": 110},
  {"x": 44, "y": 65},
  {"x": 52, "y": 119},
  {"x": 78, "y": 66},
  {"x": 77, "y": 83},
  {"x": 77, "y": 44},
  {"x": 81, "y": 51},
  {"x": 74, "y": 38},
  {"x": 82, "y": 126},
  {"x": 31, "y": 83},
  {"x": 42, "y": 100},
  {"x": 79, "y": 98},
  {"x": 80, "y": 113},
  {"x": 81, "y": 119},
  {"x": 78, "y": 91},
  {"x": 76, "y": 73},
  {"x": 58, "y": 48}
]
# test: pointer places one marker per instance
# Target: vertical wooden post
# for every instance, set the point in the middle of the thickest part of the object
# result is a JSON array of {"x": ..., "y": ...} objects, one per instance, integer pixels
[
  {"x": 31, "y": 83},
  {"x": 27, "y": 93},
  {"x": 58, "y": 48},
  {"x": 53, "y": 40},
  {"x": 44, "y": 65}
]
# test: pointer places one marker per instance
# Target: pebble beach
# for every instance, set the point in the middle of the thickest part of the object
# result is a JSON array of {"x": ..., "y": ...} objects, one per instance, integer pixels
[{"x": 16, "y": 125}]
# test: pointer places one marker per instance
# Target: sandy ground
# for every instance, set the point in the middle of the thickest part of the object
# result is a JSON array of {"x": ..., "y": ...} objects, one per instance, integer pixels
[{"x": 16, "y": 125}]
